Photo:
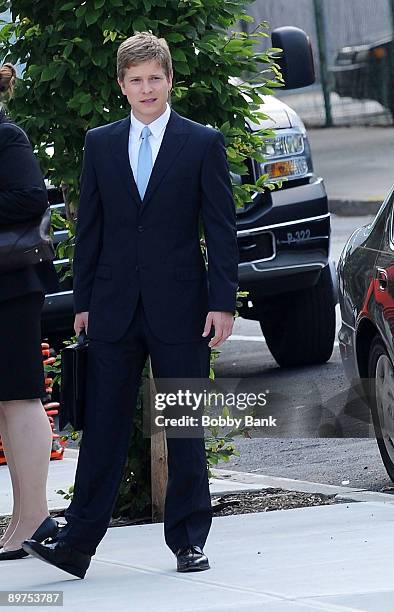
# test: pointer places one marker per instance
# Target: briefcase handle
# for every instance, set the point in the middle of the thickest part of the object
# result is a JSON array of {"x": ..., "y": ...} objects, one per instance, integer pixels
[{"x": 82, "y": 338}]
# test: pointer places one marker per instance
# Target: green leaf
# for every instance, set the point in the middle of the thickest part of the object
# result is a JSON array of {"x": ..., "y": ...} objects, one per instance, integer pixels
[
  {"x": 261, "y": 180},
  {"x": 86, "y": 108},
  {"x": 246, "y": 18},
  {"x": 6, "y": 31},
  {"x": 91, "y": 17},
  {"x": 139, "y": 25},
  {"x": 174, "y": 37},
  {"x": 81, "y": 10},
  {"x": 67, "y": 50},
  {"x": 98, "y": 4},
  {"x": 68, "y": 6},
  {"x": 33, "y": 71},
  {"x": 178, "y": 55},
  {"x": 181, "y": 68},
  {"x": 217, "y": 85},
  {"x": 49, "y": 73}
]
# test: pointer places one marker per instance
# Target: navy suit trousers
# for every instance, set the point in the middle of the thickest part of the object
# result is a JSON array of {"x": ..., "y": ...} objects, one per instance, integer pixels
[{"x": 113, "y": 380}]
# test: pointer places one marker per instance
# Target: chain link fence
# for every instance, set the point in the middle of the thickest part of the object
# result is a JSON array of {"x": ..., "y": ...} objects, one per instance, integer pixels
[{"x": 354, "y": 58}]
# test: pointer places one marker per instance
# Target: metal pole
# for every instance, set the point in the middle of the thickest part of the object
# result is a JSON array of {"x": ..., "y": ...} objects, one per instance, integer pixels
[{"x": 321, "y": 41}]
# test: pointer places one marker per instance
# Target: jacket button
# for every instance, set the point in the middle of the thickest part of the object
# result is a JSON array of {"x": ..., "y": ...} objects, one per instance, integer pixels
[{"x": 140, "y": 228}]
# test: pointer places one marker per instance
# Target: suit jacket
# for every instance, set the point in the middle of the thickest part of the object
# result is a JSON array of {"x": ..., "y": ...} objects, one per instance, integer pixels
[
  {"x": 126, "y": 247},
  {"x": 23, "y": 197}
]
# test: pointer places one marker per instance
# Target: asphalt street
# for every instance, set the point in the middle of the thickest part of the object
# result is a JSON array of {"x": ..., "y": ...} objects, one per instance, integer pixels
[
  {"x": 310, "y": 403},
  {"x": 357, "y": 163}
]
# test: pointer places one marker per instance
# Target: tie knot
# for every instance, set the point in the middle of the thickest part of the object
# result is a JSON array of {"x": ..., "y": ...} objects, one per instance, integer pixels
[{"x": 146, "y": 132}]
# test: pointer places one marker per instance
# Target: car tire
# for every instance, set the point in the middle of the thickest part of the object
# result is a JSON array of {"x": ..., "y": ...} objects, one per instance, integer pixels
[
  {"x": 381, "y": 401},
  {"x": 300, "y": 330}
]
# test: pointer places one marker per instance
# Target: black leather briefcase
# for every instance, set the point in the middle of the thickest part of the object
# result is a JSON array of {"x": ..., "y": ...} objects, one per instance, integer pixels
[{"x": 73, "y": 385}]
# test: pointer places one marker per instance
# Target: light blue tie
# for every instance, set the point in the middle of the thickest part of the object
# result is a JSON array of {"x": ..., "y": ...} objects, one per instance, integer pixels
[{"x": 144, "y": 167}]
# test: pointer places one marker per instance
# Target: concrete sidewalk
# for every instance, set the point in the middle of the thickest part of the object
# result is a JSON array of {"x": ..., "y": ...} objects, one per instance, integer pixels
[{"x": 333, "y": 558}]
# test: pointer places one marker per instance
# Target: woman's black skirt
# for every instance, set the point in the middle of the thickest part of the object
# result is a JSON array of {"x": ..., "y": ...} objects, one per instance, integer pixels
[{"x": 21, "y": 366}]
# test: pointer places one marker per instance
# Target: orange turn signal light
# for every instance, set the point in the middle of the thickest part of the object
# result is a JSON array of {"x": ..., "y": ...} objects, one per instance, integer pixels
[{"x": 379, "y": 52}]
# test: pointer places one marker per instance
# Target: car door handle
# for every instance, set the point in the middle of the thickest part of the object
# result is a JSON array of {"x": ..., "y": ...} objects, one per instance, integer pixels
[{"x": 381, "y": 275}]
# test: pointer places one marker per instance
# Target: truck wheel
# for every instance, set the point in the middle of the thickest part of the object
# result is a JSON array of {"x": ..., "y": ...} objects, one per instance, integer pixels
[
  {"x": 380, "y": 383},
  {"x": 300, "y": 329}
]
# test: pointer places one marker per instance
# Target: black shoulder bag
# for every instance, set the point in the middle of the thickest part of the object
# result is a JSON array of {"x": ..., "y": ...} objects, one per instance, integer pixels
[{"x": 26, "y": 244}]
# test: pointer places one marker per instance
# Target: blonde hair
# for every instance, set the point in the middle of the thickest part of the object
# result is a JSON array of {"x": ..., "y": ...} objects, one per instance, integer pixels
[
  {"x": 7, "y": 79},
  {"x": 143, "y": 47}
]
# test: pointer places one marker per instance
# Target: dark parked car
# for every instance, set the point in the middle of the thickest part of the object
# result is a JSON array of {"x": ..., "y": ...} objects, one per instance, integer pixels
[
  {"x": 366, "y": 338},
  {"x": 365, "y": 72}
]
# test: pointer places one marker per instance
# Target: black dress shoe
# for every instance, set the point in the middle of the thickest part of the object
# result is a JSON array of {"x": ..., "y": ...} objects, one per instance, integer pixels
[
  {"x": 60, "y": 554},
  {"x": 191, "y": 559},
  {"x": 48, "y": 529}
]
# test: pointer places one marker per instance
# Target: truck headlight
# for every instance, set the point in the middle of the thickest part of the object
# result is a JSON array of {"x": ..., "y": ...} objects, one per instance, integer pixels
[
  {"x": 287, "y": 154},
  {"x": 284, "y": 145}
]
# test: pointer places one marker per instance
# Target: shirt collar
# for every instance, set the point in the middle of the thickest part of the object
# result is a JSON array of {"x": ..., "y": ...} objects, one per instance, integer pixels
[{"x": 156, "y": 127}]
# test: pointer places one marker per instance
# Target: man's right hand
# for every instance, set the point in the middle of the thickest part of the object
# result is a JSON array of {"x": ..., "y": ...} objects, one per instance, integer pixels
[{"x": 81, "y": 322}]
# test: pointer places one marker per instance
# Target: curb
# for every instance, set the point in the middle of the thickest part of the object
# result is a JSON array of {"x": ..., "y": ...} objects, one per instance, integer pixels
[
  {"x": 353, "y": 208},
  {"x": 260, "y": 481}
]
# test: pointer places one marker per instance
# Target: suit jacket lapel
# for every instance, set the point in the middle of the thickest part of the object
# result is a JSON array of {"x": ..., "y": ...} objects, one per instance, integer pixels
[
  {"x": 175, "y": 136},
  {"x": 119, "y": 144}
]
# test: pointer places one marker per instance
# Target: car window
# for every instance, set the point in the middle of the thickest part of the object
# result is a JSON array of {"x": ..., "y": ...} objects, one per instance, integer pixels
[{"x": 385, "y": 208}]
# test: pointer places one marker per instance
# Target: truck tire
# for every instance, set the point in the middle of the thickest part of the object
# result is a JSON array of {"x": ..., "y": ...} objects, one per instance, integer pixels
[{"x": 300, "y": 329}]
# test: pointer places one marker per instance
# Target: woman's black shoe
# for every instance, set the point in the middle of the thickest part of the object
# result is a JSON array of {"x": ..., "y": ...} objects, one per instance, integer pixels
[
  {"x": 9, "y": 555},
  {"x": 48, "y": 529}
]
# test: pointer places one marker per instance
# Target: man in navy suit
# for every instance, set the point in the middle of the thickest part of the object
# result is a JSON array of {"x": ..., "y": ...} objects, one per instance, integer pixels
[{"x": 141, "y": 288}]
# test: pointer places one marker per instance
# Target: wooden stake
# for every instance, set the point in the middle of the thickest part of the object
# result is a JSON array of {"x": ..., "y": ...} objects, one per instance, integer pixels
[{"x": 159, "y": 471}]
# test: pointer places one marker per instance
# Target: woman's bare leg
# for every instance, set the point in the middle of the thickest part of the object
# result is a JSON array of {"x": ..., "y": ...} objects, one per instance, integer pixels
[
  {"x": 30, "y": 439},
  {"x": 14, "y": 479}
]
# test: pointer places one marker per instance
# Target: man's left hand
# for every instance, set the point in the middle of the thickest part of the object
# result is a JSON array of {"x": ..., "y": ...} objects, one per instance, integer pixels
[{"x": 223, "y": 323}]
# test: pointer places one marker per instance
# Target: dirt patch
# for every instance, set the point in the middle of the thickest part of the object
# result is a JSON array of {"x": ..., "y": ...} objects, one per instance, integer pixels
[{"x": 267, "y": 500}]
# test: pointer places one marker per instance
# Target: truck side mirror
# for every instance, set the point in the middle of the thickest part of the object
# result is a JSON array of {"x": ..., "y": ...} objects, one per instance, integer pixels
[{"x": 296, "y": 59}]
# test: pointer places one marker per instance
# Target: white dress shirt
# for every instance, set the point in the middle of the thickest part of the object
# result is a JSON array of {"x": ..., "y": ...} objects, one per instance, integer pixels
[{"x": 157, "y": 127}]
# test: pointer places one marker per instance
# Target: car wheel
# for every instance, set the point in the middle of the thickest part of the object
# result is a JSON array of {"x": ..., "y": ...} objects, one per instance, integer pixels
[
  {"x": 300, "y": 330},
  {"x": 381, "y": 401}
]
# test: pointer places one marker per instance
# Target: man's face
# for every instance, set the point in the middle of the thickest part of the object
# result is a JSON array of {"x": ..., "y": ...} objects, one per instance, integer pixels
[{"x": 146, "y": 87}]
